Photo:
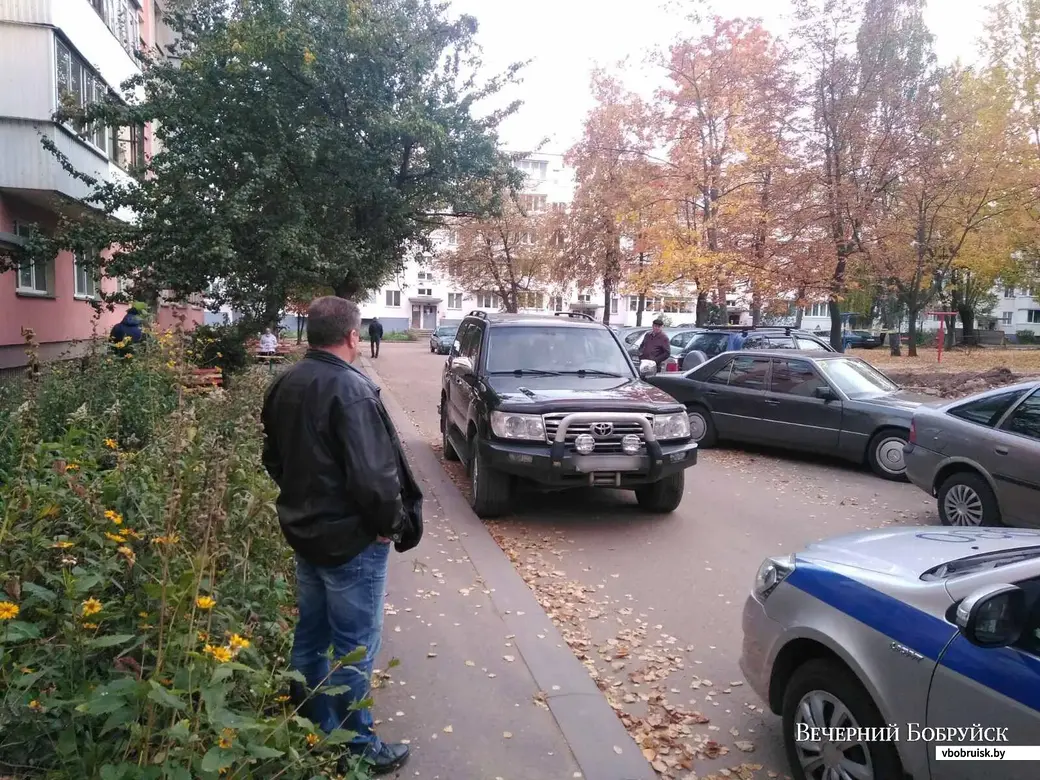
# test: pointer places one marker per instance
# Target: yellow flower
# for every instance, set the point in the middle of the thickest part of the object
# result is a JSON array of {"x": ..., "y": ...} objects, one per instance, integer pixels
[
  {"x": 219, "y": 654},
  {"x": 281, "y": 699},
  {"x": 114, "y": 516},
  {"x": 8, "y": 610},
  {"x": 239, "y": 643},
  {"x": 171, "y": 364},
  {"x": 308, "y": 57},
  {"x": 27, "y": 670},
  {"x": 205, "y": 602},
  {"x": 62, "y": 545},
  {"x": 35, "y": 706},
  {"x": 313, "y": 739},
  {"x": 112, "y": 444},
  {"x": 131, "y": 532},
  {"x": 227, "y": 737},
  {"x": 203, "y": 636},
  {"x": 72, "y": 467},
  {"x": 115, "y": 538},
  {"x": 90, "y": 626},
  {"x": 128, "y": 553},
  {"x": 91, "y": 607},
  {"x": 171, "y": 539},
  {"x": 142, "y": 615}
]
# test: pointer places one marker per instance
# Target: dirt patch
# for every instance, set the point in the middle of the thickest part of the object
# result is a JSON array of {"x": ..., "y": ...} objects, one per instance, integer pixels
[{"x": 955, "y": 385}]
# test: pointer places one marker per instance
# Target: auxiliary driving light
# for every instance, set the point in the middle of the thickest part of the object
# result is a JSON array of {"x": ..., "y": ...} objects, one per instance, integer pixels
[
  {"x": 584, "y": 443},
  {"x": 630, "y": 444}
]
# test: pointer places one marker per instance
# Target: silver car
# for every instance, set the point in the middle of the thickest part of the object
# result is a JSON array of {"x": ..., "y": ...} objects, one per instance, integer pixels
[
  {"x": 884, "y": 649},
  {"x": 980, "y": 456}
]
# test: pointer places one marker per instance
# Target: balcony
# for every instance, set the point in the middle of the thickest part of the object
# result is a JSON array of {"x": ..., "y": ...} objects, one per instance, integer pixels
[{"x": 123, "y": 19}]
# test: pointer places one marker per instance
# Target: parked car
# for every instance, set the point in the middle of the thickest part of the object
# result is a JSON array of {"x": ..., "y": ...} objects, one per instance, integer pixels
[
  {"x": 442, "y": 339},
  {"x": 817, "y": 401},
  {"x": 692, "y": 346},
  {"x": 556, "y": 402},
  {"x": 980, "y": 457},
  {"x": 864, "y": 339},
  {"x": 906, "y": 639}
]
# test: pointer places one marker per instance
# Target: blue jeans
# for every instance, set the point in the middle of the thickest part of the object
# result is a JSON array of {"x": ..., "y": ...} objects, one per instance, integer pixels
[{"x": 341, "y": 607}]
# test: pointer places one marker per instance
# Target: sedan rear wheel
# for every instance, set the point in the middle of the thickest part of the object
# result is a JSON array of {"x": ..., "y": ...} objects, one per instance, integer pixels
[
  {"x": 824, "y": 694},
  {"x": 702, "y": 426},
  {"x": 966, "y": 500},
  {"x": 885, "y": 454}
]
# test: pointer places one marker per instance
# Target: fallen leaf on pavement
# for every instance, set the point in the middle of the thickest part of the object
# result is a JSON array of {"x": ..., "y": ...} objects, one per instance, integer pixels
[
  {"x": 507, "y": 734},
  {"x": 617, "y": 750},
  {"x": 509, "y": 658},
  {"x": 448, "y": 729},
  {"x": 470, "y": 663}
]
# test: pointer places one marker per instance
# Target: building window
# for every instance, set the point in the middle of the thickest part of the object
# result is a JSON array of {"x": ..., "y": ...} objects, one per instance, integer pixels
[
  {"x": 536, "y": 169},
  {"x": 558, "y": 208},
  {"x": 1007, "y": 317},
  {"x": 393, "y": 297},
  {"x": 1028, "y": 292},
  {"x": 425, "y": 276},
  {"x": 78, "y": 87},
  {"x": 818, "y": 310},
  {"x": 121, "y": 17},
  {"x": 530, "y": 300},
  {"x": 1033, "y": 316},
  {"x": 86, "y": 277},
  {"x": 33, "y": 278},
  {"x": 585, "y": 298},
  {"x": 614, "y": 305},
  {"x": 486, "y": 300},
  {"x": 1009, "y": 292},
  {"x": 427, "y": 291},
  {"x": 675, "y": 305},
  {"x": 452, "y": 237},
  {"x": 532, "y": 204},
  {"x": 126, "y": 146},
  {"x": 557, "y": 303},
  {"x": 454, "y": 300}
]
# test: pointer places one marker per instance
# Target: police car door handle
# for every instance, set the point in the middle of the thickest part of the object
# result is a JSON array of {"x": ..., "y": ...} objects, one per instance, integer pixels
[{"x": 1001, "y": 450}]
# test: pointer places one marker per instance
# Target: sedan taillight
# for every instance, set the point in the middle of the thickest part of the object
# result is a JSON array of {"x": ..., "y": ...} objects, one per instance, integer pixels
[
  {"x": 912, "y": 438},
  {"x": 671, "y": 365}
]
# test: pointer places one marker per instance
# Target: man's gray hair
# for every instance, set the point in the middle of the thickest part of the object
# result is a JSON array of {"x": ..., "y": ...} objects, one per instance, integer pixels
[{"x": 330, "y": 320}]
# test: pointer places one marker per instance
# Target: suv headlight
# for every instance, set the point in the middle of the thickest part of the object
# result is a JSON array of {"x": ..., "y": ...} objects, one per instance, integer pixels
[
  {"x": 770, "y": 574},
  {"x": 506, "y": 425},
  {"x": 671, "y": 426}
]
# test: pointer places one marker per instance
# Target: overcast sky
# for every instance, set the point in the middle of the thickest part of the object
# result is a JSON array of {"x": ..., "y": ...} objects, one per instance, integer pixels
[{"x": 566, "y": 39}]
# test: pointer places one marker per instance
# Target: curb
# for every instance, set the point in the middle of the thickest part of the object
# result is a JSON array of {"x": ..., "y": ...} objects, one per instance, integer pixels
[{"x": 588, "y": 723}]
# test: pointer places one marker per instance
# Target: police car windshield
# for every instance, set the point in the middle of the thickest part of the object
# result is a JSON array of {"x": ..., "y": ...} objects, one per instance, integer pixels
[
  {"x": 558, "y": 349},
  {"x": 855, "y": 378}
]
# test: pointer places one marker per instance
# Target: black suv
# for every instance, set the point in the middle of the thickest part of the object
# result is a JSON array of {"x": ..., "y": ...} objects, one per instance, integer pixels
[{"x": 557, "y": 402}]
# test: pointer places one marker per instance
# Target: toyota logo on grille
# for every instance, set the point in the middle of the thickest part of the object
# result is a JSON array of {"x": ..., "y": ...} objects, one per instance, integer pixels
[{"x": 602, "y": 429}]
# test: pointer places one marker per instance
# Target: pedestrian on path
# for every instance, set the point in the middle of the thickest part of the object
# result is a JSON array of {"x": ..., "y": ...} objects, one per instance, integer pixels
[
  {"x": 127, "y": 332},
  {"x": 346, "y": 493},
  {"x": 375, "y": 335},
  {"x": 268, "y": 343},
  {"x": 655, "y": 345}
]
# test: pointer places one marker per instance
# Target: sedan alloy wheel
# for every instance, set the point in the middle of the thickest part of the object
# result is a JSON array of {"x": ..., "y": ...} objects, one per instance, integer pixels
[
  {"x": 825, "y": 759},
  {"x": 963, "y": 506}
]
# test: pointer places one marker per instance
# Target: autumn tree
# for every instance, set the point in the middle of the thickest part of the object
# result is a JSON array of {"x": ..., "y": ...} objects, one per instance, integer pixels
[
  {"x": 509, "y": 253},
  {"x": 299, "y": 144}
]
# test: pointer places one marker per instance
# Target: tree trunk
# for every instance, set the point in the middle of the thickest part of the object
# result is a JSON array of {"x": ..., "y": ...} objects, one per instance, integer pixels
[
  {"x": 608, "y": 293},
  {"x": 950, "y": 336},
  {"x": 911, "y": 332},
  {"x": 967, "y": 315},
  {"x": 895, "y": 348},
  {"x": 835, "y": 311},
  {"x": 799, "y": 312},
  {"x": 702, "y": 309},
  {"x": 639, "y": 310},
  {"x": 756, "y": 308},
  {"x": 299, "y": 328}
]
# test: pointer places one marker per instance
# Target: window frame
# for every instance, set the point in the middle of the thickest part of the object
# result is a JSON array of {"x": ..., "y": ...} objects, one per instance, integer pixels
[
  {"x": 753, "y": 359},
  {"x": 995, "y": 419},
  {"x": 89, "y": 274},
  {"x": 1033, "y": 316},
  {"x": 802, "y": 361},
  {"x": 1011, "y": 412},
  {"x": 392, "y": 298},
  {"x": 457, "y": 296}
]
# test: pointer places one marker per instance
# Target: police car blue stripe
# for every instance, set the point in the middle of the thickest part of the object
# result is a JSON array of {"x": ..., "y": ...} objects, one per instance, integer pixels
[{"x": 1007, "y": 671}]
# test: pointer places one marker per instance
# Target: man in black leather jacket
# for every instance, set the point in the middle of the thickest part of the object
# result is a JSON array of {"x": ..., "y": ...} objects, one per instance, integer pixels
[{"x": 346, "y": 493}]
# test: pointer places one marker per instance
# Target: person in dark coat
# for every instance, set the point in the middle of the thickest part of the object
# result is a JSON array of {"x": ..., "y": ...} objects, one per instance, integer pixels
[
  {"x": 655, "y": 345},
  {"x": 127, "y": 332},
  {"x": 375, "y": 335},
  {"x": 346, "y": 494}
]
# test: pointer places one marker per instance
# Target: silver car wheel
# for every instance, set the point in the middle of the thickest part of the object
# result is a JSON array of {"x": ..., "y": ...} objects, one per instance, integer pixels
[
  {"x": 698, "y": 426},
  {"x": 827, "y": 759},
  {"x": 963, "y": 506},
  {"x": 889, "y": 455}
]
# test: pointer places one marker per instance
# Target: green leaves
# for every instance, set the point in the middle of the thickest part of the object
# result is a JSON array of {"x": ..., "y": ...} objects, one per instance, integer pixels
[
  {"x": 164, "y": 697},
  {"x": 110, "y": 640}
]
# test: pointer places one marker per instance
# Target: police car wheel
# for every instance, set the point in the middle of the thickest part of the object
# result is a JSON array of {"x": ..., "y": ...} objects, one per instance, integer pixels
[{"x": 824, "y": 694}]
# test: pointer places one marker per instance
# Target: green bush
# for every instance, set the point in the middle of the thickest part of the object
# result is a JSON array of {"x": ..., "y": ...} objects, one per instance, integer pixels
[
  {"x": 145, "y": 589},
  {"x": 1026, "y": 337},
  {"x": 222, "y": 346}
]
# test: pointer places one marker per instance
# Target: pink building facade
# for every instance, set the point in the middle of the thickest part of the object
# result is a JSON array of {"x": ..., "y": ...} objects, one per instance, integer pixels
[{"x": 52, "y": 50}]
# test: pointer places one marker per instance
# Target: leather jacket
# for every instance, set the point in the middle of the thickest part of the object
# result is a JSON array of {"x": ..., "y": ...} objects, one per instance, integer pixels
[
  {"x": 655, "y": 347},
  {"x": 331, "y": 448}
]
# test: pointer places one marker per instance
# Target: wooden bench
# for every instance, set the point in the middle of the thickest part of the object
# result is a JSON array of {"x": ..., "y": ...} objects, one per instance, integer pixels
[{"x": 204, "y": 379}]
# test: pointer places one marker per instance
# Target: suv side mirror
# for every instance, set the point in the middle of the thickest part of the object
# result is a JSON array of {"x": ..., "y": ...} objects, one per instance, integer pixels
[
  {"x": 647, "y": 368},
  {"x": 825, "y": 393},
  {"x": 993, "y": 616}
]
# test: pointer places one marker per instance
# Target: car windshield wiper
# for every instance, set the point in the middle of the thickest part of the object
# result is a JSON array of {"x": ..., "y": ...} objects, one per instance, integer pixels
[
  {"x": 593, "y": 372},
  {"x": 528, "y": 371}
]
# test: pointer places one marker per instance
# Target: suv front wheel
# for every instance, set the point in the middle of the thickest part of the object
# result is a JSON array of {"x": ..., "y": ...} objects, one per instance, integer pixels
[
  {"x": 662, "y": 496},
  {"x": 492, "y": 491}
]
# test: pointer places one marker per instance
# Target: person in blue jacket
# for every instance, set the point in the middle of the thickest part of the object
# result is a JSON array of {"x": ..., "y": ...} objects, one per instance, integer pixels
[{"x": 130, "y": 327}]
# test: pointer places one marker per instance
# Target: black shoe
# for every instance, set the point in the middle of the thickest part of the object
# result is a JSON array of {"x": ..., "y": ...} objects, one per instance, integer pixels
[{"x": 388, "y": 758}]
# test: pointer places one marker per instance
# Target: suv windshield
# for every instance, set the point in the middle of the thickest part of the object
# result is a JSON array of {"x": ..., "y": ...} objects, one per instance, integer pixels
[
  {"x": 557, "y": 349},
  {"x": 856, "y": 378}
]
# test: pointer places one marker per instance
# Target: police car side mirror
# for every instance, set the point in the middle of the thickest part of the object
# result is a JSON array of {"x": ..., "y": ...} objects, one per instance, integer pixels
[
  {"x": 993, "y": 616},
  {"x": 647, "y": 368}
]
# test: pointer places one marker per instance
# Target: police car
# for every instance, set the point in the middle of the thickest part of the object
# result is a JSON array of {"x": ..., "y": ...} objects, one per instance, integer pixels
[{"x": 882, "y": 649}]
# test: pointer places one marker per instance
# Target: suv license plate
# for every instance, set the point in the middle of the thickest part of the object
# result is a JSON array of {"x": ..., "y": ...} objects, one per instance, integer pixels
[{"x": 596, "y": 463}]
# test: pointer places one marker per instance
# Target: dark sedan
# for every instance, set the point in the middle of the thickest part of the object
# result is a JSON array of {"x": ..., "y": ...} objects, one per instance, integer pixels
[
  {"x": 816, "y": 401},
  {"x": 442, "y": 338}
]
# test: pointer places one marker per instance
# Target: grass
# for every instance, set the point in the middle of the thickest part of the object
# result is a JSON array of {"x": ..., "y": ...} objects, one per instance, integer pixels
[{"x": 1020, "y": 361}]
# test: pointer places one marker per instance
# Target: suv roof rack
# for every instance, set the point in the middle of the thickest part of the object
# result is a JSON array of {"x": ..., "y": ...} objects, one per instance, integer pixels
[
  {"x": 572, "y": 314},
  {"x": 478, "y": 313},
  {"x": 745, "y": 328}
]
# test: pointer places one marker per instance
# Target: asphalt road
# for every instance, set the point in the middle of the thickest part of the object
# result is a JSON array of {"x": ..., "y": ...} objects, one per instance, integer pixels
[{"x": 652, "y": 604}]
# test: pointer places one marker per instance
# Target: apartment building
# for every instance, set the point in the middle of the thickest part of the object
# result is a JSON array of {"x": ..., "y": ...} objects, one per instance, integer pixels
[
  {"x": 420, "y": 297},
  {"x": 53, "y": 51}
]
